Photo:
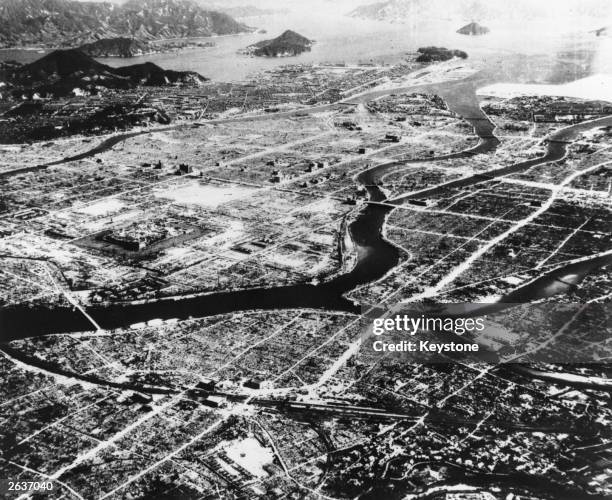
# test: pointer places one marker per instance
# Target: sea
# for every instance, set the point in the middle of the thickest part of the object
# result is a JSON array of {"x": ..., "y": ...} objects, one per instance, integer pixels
[{"x": 343, "y": 39}]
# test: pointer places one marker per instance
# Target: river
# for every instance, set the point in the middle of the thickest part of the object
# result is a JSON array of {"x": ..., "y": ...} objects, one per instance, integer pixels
[{"x": 376, "y": 256}]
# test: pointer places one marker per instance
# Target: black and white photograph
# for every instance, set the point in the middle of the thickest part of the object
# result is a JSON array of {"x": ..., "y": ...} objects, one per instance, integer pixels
[{"x": 306, "y": 249}]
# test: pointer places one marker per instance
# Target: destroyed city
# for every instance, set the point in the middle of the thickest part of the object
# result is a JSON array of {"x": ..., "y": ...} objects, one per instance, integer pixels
[{"x": 306, "y": 249}]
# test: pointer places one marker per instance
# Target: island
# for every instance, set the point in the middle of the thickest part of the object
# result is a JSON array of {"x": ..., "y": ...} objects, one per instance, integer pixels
[
  {"x": 116, "y": 47},
  {"x": 438, "y": 54},
  {"x": 132, "y": 47},
  {"x": 288, "y": 44},
  {"x": 473, "y": 29}
]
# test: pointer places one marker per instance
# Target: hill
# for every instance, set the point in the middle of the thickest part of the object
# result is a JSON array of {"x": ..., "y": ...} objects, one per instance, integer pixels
[
  {"x": 69, "y": 23},
  {"x": 63, "y": 71},
  {"x": 240, "y": 10},
  {"x": 248, "y": 11},
  {"x": 116, "y": 47},
  {"x": 289, "y": 43},
  {"x": 395, "y": 11},
  {"x": 473, "y": 29},
  {"x": 402, "y": 11}
]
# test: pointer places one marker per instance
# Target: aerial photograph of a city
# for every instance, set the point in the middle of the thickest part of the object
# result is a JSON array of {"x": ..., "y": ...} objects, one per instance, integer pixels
[{"x": 306, "y": 249}]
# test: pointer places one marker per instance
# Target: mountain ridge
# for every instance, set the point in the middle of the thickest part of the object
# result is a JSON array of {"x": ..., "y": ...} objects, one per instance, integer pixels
[{"x": 69, "y": 23}]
